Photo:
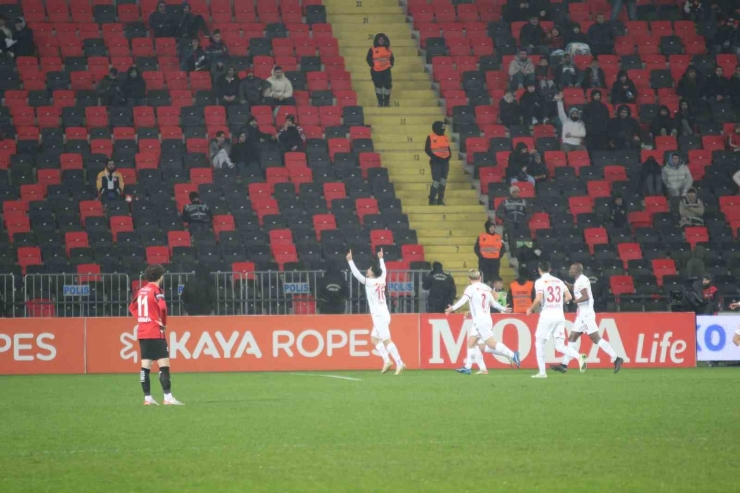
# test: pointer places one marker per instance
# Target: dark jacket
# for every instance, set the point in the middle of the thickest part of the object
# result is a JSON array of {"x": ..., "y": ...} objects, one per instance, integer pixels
[
  {"x": 662, "y": 123},
  {"x": 161, "y": 24},
  {"x": 291, "y": 138},
  {"x": 196, "y": 213},
  {"x": 254, "y": 135},
  {"x": 109, "y": 91},
  {"x": 193, "y": 59},
  {"x": 199, "y": 293},
  {"x": 531, "y": 35},
  {"x": 332, "y": 290},
  {"x": 622, "y": 90},
  {"x": 476, "y": 248},
  {"x": 216, "y": 51},
  {"x": 441, "y": 287},
  {"x": 251, "y": 89},
  {"x": 518, "y": 161},
  {"x": 134, "y": 87},
  {"x": 621, "y": 129},
  {"x": 369, "y": 57},
  {"x": 618, "y": 214},
  {"x": 589, "y": 81},
  {"x": 734, "y": 88},
  {"x": 717, "y": 86},
  {"x": 24, "y": 45},
  {"x": 649, "y": 168},
  {"x": 691, "y": 91},
  {"x": 509, "y": 113},
  {"x": 595, "y": 117},
  {"x": 601, "y": 38},
  {"x": 225, "y": 87},
  {"x": 687, "y": 115},
  {"x": 532, "y": 104},
  {"x": 188, "y": 24},
  {"x": 571, "y": 36}
]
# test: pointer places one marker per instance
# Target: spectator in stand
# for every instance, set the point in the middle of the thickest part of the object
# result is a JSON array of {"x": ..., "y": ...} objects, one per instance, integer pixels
[
  {"x": 23, "y": 37},
  {"x": 280, "y": 91},
  {"x": 735, "y": 89},
  {"x": 693, "y": 10},
  {"x": 291, "y": 136},
  {"x": 601, "y": 37},
  {"x": 734, "y": 139},
  {"x": 199, "y": 293},
  {"x": 332, "y": 291},
  {"x": 532, "y": 105},
  {"x": 567, "y": 74},
  {"x": 596, "y": 119},
  {"x": 189, "y": 25},
  {"x": 441, "y": 287},
  {"x": 663, "y": 125},
  {"x": 514, "y": 212},
  {"x": 727, "y": 39},
  {"x": 216, "y": 49},
  {"x": 193, "y": 57},
  {"x": 710, "y": 294},
  {"x": 219, "y": 151},
  {"x": 684, "y": 119},
  {"x": 509, "y": 110},
  {"x": 134, "y": 88},
  {"x": 109, "y": 90},
  {"x": 532, "y": 37},
  {"x": 691, "y": 88},
  {"x": 227, "y": 88},
  {"x": 218, "y": 70},
  {"x": 241, "y": 153},
  {"x": 381, "y": 60},
  {"x": 499, "y": 292},
  {"x": 618, "y": 212},
  {"x": 543, "y": 75},
  {"x": 718, "y": 86},
  {"x": 109, "y": 183},
  {"x": 521, "y": 70},
  {"x": 573, "y": 129},
  {"x": 5, "y": 31},
  {"x": 161, "y": 22},
  {"x": 522, "y": 10},
  {"x": 246, "y": 151},
  {"x": 197, "y": 214},
  {"x": 519, "y": 161},
  {"x": 252, "y": 88},
  {"x": 538, "y": 168},
  {"x": 691, "y": 209},
  {"x": 489, "y": 247},
  {"x": 631, "y": 9},
  {"x": 623, "y": 89},
  {"x": 624, "y": 131},
  {"x": 574, "y": 35},
  {"x": 651, "y": 177},
  {"x": 437, "y": 147},
  {"x": 594, "y": 76},
  {"x": 554, "y": 39},
  {"x": 676, "y": 176}
]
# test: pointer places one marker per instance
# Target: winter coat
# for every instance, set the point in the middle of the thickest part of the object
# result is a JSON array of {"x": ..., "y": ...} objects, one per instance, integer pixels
[
  {"x": 623, "y": 128},
  {"x": 225, "y": 87},
  {"x": 369, "y": 57},
  {"x": 677, "y": 179},
  {"x": 649, "y": 168},
  {"x": 596, "y": 117},
  {"x": 589, "y": 80},
  {"x": 216, "y": 51},
  {"x": 193, "y": 59},
  {"x": 662, "y": 123},
  {"x": 517, "y": 66},
  {"x": 691, "y": 91},
  {"x": 24, "y": 45},
  {"x": 621, "y": 90},
  {"x": 252, "y": 88},
  {"x": 576, "y": 129},
  {"x": 279, "y": 87},
  {"x": 693, "y": 212},
  {"x": 134, "y": 87},
  {"x": 600, "y": 37},
  {"x": 717, "y": 86},
  {"x": 531, "y": 35},
  {"x": 509, "y": 113}
]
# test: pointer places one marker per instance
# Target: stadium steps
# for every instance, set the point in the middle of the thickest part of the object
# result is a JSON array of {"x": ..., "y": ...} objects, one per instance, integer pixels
[{"x": 448, "y": 233}]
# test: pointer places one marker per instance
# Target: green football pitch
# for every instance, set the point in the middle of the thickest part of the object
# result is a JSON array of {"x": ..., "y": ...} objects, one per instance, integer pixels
[{"x": 640, "y": 430}]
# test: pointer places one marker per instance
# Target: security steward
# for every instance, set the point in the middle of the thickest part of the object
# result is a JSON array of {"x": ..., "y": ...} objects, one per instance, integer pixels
[
  {"x": 437, "y": 147},
  {"x": 197, "y": 214},
  {"x": 332, "y": 291},
  {"x": 489, "y": 247},
  {"x": 381, "y": 60},
  {"x": 521, "y": 292},
  {"x": 441, "y": 287}
]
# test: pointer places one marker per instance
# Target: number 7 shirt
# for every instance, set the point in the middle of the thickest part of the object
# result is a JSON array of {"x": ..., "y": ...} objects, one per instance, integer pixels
[
  {"x": 553, "y": 297},
  {"x": 150, "y": 310}
]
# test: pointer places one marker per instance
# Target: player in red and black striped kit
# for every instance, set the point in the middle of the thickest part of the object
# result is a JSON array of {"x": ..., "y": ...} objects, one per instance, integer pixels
[{"x": 150, "y": 311}]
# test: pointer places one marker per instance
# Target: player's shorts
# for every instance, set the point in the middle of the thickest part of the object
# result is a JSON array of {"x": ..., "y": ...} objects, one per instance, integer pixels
[
  {"x": 586, "y": 323},
  {"x": 381, "y": 327},
  {"x": 547, "y": 328},
  {"x": 154, "y": 349},
  {"x": 482, "y": 332}
]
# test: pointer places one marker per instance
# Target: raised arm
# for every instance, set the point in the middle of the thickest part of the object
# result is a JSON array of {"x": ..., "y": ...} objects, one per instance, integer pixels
[
  {"x": 353, "y": 268},
  {"x": 460, "y": 303}
]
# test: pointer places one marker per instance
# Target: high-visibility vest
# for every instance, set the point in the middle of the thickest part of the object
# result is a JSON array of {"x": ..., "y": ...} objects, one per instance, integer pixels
[
  {"x": 440, "y": 145},
  {"x": 490, "y": 245},
  {"x": 521, "y": 296},
  {"x": 500, "y": 296},
  {"x": 381, "y": 58}
]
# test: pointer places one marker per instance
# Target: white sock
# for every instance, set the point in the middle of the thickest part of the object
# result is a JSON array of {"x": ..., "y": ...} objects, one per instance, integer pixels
[
  {"x": 608, "y": 349},
  {"x": 168, "y": 396},
  {"x": 562, "y": 348},
  {"x": 566, "y": 360},
  {"x": 380, "y": 348},
  {"x": 470, "y": 358},
  {"x": 491, "y": 350},
  {"x": 479, "y": 359},
  {"x": 540, "y": 348},
  {"x": 393, "y": 350},
  {"x": 501, "y": 348}
]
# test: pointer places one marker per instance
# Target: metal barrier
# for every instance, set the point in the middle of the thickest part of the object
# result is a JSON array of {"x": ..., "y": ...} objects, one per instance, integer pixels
[
  {"x": 8, "y": 307},
  {"x": 404, "y": 292},
  {"x": 173, "y": 286},
  {"x": 76, "y": 295}
]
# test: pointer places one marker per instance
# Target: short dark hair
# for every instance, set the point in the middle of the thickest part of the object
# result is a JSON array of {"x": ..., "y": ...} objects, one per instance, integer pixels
[
  {"x": 220, "y": 133},
  {"x": 154, "y": 272},
  {"x": 377, "y": 271},
  {"x": 194, "y": 195},
  {"x": 497, "y": 279},
  {"x": 544, "y": 266},
  {"x": 217, "y": 31},
  {"x": 278, "y": 67},
  {"x": 113, "y": 71}
]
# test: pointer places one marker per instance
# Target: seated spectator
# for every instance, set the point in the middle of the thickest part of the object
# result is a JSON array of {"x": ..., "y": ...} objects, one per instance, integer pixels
[
  {"x": 196, "y": 213},
  {"x": 574, "y": 35},
  {"x": 216, "y": 49},
  {"x": 596, "y": 119},
  {"x": 734, "y": 88},
  {"x": 601, "y": 37},
  {"x": 522, "y": 10},
  {"x": 532, "y": 37},
  {"x": 718, "y": 86},
  {"x": 291, "y": 136},
  {"x": 684, "y": 119},
  {"x": 691, "y": 88},
  {"x": 521, "y": 70},
  {"x": 134, "y": 88},
  {"x": 247, "y": 148},
  {"x": 518, "y": 160},
  {"x": 109, "y": 90},
  {"x": 573, "y": 129},
  {"x": 617, "y": 8},
  {"x": 193, "y": 57},
  {"x": 594, "y": 76},
  {"x": 624, "y": 131},
  {"x": 109, "y": 183},
  {"x": 734, "y": 139},
  {"x": 651, "y": 177},
  {"x": 189, "y": 25},
  {"x": 280, "y": 91},
  {"x": 618, "y": 212},
  {"x": 663, "y": 125},
  {"x": 554, "y": 39},
  {"x": 538, "y": 167},
  {"x": 691, "y": 209},
  {"x": 23, "y": 37},
  {"x": 543, "y": 75},
  {"x": 509, "y": 110},
  {"x": 218, "y": 70},
  {"x": 227, "y": 88},
  {"x": 219, "y": 151},
  {"x": 567, "y": 74},
  {"x": 252, "y": 88},
  {"x": 532, "y": 105},
  {"x": 623, "y": 89},
  {"x": 199, "y": 293},
  {"x": 161, "y": 22},
  {"x": 676, "y": 176}
]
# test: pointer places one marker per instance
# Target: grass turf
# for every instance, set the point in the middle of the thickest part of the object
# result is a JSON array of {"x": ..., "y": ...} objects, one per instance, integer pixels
[{"x": 641, "y": 430}]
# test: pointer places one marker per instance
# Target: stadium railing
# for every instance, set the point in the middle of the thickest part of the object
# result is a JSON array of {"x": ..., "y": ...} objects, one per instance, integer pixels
[
  {"x": 7, "y": 295},
  {"x": 76, "y": 295}
]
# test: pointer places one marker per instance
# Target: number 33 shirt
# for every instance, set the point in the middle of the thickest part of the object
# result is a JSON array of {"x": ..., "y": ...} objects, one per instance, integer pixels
[
  {"x": 553, "y": 297},
  {"x": 150, "y": 311}
]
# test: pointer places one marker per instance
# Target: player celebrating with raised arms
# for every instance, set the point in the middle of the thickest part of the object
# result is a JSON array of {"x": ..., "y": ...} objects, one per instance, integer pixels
[
  {"x": 374, "y": 281},
  {"x": 150, "y": 311},
  {"x": 585, "y": 321},
  {"x": 551, "y": 293},
  {"x": 480, "y": 299}
]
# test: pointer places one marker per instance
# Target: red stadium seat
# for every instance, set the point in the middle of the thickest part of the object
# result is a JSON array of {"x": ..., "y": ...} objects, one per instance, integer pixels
[{"x": 620, "y": 285}]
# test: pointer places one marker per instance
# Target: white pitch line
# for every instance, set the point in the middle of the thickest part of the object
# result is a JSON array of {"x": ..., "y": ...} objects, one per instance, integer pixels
[{"x": 328, "y": 376}]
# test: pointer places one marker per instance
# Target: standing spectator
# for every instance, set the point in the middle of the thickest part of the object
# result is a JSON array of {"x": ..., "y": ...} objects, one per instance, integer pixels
[
  {"x": 623, "y": 89},
  {"x": 663, "y": 125},
  {"x": 594, "y": 76},
  {"x": 441, "y": 287},
  {"x": 109, "y": 90},
  {"x": 252, "y": 88},
  {"x": 694, "y": 10},
  {"x": 216, "y": 49},
  {"x": 23, "y": 37},
  {"x": 499, "y": 293},
  {"x": 573, "y": 130},
  {"x": 618, "y": 212},
  {"x": 489, "y": 247},
  {"x": 651, "y": 177},
  {"x": 691, "y": 88},
  {"x": 521, "y": 292},
  {"x": 567, "y": 74},
  {"x": 596, "y": 118},
  {"x": 538, "y": 168},
  {"x": 684, "y": 119},
  {"x": 718, "y": 86},
  {"x": 134, "y": 88},
  {"x": 193, "y": 57},
  {"x": 332, "y": 291},
  {"x": 509, "y": 110},
  {"x": 437, "y": 147},
  {"x": 197, "y": 214},
  {"x": 691, "y": 209},
  {"x": 601, "y": 37},
  {"x": 189, "y": 25},
  {"x": 532, "y": 37},
  {"x": 219, "y": 150},
  {"x": 514, "y": 212},
  {"x": 109, "y": 183},
  {"x": 532, "y": 105},
  {"x": 521, "y": 70},
  {"x": 520, "y": 10},
  {"x": 280, "y": 91},
  {"x": 381, "y": 60},
  {"x": 291, "y": 136},
  {"x": 624, "y": 131},
  {"x": 227, "y": 88},
  {"x": 631, "y": 9},
  {"x": 543, "y": 75},
  {"x": 162, "y": 22},
  {"x": 734, "y": 139},
  {"x": 554, "y": 39},
  {"x": 676, "y": 176},
  {"x": 199, "y": 293}
]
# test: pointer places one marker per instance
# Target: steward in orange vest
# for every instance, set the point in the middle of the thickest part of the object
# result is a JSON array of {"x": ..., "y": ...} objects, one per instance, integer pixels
[
  {"x": 489, "y": 248},
  {"x": 521, "y": 292},
  {"x": 380, "y": 59},
  {"x": 437, "y": 147}
]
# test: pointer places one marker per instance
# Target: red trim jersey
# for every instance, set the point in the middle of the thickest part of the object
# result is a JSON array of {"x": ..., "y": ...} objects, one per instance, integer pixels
[{"x": 150, "y": 311}]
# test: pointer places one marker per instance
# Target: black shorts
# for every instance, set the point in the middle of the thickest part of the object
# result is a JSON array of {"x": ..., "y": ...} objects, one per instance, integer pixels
[
  {"x": 382, "y": 79},
  {"x": 154, "y": 349}
]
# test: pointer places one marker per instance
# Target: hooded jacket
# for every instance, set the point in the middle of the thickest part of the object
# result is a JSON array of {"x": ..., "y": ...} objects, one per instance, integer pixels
[
  {"x": 332, "y": 289},
  {"x": 199, "y": 293},
  {"x": 661, "y": 122},
  {"x": 576, "y": 129},
  {"x": 439, "y": 129},
  {"x": 279, "y": 87},
  {"x": 252, "y": 88},
  {"x": 677, "y": 178},
  {"x": 369, "y": 57},
  {"x": 717, "y": 86},
  {"x": 509, "y": 113},
  {"x": 161, "y": 23},
  {"x": 596, "y": 116},
  {"x": 691, "y": 90},
  {"x": 693, "y": 212},
  {"x": 476, "y": 248},
  {"x": 24, "y": 45},
  {"x": 622, "y": 90},
  {"x": 518, "y": 161},
  {"x": 134, "y": 87},
  {"x": 441, "y": 286},
  {"x": 517, "y": 66},
  {"x": 623, "y": 128}
]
